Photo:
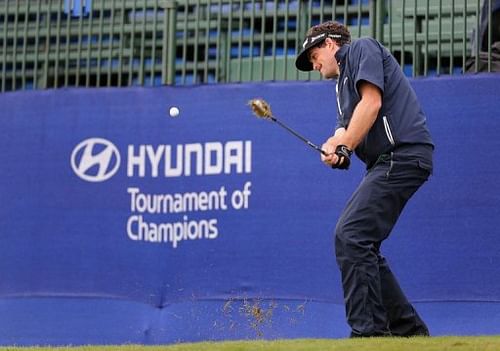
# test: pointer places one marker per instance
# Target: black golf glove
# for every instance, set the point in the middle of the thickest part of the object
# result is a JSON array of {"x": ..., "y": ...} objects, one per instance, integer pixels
[{"x": 344, "y": 155}]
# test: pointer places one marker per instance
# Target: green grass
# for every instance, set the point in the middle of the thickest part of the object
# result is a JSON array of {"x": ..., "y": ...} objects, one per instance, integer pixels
[{"x": 483, "y": 343}]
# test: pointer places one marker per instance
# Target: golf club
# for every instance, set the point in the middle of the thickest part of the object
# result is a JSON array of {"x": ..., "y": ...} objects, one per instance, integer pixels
[{"x": 262, "y": 110}]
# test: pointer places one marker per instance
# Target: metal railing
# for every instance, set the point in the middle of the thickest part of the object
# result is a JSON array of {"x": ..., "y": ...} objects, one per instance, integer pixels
[
  {"x": 112, "y": 43},
  {"x": 62, "y": 43},
  {"x": 250, "y": 40}
]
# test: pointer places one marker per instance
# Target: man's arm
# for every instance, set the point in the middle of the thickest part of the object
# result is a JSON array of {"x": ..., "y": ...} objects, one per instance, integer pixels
[{"x": 364, "y": 115}]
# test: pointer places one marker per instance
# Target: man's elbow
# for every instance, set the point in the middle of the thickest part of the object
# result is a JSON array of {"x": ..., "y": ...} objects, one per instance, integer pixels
[
  {"x": 373, "y": 104},
  {"x": 375, "y": 98},
  {"x": 377, "y": 105},
  {"x": 371, "y": 96}
]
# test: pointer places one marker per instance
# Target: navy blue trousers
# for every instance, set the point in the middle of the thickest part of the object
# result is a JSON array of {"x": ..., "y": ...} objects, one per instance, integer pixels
[{"x": 375, "y": 304}]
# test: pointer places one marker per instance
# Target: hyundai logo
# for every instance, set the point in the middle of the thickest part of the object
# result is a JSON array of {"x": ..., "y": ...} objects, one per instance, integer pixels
[{"x": 95, "y": 160}]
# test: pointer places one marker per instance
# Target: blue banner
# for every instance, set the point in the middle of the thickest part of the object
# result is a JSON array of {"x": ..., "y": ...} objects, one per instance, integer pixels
[{"x": 121, "y": 223}]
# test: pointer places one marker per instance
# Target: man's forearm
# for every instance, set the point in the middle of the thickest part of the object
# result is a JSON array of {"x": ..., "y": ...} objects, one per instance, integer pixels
[
  {"x": 363, "y": 117},
  {"x": 362, "y": 120}
]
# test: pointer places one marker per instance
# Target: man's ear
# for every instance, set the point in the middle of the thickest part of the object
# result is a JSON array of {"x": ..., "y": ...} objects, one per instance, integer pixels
[{"x": 331, "y": 43}]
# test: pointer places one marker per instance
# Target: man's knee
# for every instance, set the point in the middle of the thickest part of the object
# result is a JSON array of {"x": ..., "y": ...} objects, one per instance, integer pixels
[
  {"x": 351, "y": 246},
  {"x": 346, "y": 244}
]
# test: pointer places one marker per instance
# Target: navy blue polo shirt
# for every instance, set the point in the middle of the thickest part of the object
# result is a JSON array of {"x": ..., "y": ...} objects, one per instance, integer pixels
[{"x": 400, "y": 126}]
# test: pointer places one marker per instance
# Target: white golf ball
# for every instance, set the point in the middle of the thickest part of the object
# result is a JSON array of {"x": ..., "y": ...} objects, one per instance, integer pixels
[{"x": 174, "y": 111}]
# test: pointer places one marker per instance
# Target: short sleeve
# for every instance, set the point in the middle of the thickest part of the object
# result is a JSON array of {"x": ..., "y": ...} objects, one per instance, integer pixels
[{"x": 368, "y": 58}]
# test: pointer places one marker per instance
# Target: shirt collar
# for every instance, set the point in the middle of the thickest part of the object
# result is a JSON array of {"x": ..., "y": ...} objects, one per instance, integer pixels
[{"x": 341, "y": 54}]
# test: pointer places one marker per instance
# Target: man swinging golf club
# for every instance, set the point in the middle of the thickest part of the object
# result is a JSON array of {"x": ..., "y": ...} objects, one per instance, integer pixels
[{"x": 380, "y": 119}]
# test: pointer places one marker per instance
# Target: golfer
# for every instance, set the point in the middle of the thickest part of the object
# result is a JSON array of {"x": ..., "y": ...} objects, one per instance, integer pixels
[{"x": 380, "y": 119}]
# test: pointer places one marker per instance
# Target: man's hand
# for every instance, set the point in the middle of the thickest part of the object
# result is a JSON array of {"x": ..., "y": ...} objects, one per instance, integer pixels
[
  {"x": 337, "y": 157},
  {"x": 344, "y": 157},
  {"x": 330, "y": 146}
]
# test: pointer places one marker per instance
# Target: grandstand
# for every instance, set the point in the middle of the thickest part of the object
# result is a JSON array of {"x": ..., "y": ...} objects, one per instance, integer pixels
[{"x": 94, "y": 43}]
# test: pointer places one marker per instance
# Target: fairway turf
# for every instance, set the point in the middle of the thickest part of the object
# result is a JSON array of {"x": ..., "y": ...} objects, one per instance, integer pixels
[{"x": 455, "y": 343}]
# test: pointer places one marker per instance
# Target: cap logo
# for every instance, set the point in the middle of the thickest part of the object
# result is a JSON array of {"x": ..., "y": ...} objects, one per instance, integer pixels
[
  {"x": 313, "y": 39},
  {"x": 316, "y": 38}
]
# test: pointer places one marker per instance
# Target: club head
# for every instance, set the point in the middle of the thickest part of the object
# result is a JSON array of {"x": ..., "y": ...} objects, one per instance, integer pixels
[{"x": 261, "y": 108}]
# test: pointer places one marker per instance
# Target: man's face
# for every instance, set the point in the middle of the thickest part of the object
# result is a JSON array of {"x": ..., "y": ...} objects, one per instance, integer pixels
[{"x": 323, "y": 59}]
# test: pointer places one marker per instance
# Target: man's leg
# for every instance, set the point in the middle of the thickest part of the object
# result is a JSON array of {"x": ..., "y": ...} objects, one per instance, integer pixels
[
  {"x": 403, "y": 318},
  {"x": 366, "y": 221}
]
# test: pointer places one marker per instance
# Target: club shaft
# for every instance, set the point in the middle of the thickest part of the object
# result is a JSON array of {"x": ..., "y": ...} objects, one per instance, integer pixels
[{"x": 314, "y": 146}]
